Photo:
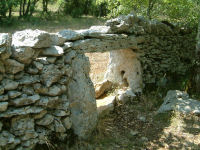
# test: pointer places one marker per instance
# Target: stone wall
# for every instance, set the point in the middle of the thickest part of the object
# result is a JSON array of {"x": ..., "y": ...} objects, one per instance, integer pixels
[{"x": 45, "y": 89}]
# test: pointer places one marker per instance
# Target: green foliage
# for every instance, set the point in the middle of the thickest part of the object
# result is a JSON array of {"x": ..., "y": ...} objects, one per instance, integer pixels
[{"x": 179, "y": 11}]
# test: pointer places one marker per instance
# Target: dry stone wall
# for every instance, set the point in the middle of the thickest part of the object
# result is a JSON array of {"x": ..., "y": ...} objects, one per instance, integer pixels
[{"x": 45, "y": 87}]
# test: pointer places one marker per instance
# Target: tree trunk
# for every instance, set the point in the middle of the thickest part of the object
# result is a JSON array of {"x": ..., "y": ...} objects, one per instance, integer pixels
[
  {"x": 10, "y": 11},
  {"x": 45, "y": 6},
  {"x": 20, "y": 9},
  {"x": 197, "y": 67},
  {"x": 28, "y": 8},
  {"x": 24, "y": 4}
]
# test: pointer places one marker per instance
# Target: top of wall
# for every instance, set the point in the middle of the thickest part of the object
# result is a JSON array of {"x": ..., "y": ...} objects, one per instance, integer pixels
[{"x": 119, "y": 33}]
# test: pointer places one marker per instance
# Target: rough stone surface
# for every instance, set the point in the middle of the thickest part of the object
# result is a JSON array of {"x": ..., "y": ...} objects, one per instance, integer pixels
[
  {"x": 45, "y": 89},
  {"x": 3, "y": 106},
  {"x": 53, "y": 51},
  {"x": 31, "y": 38},
  {"x": 83, "y": 105},
  {"x": 125, "y": 69},
  {"x": 9, "y": 84},
  {"x": 102, "y": 87},
  {"x": 179, "y": 101},
  {"x": 13, "y": 66}
]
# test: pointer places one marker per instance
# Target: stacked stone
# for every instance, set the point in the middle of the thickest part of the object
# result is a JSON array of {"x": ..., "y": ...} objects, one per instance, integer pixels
[
  {"x": 33, "y": 89},
  {"x": 164, "y": 49}
]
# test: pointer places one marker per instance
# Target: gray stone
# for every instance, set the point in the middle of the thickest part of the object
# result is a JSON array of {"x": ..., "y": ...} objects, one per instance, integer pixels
[
  {"x": 179, "y": 101},
  {"x": 51, "y": 59},
  {"x": 50, "y": 74},
  {"x": 31, "y": 38},
  {"x": 53, "y": 51},
  {"x": 57, "y": 126},
  {"x": 3, "y": 39},
  {"x": 38, "y": 65},
  {"x": 70, "y": 35},
  {"x": 8, "y": 140},
  {"x": 25, "y": 100},
  {"x": 28, "y": 90},
  {"x": 23, "y": 54},
  {"x": 69, "y": 56},
  {"x": 42, "y": 60},
  {"x": 82, "y": 105},
  {"x": 21, "y": 111},
  {"x": 46, "y": 120},
  {"x": 67, "y": 45},
  {"x": 14, "y": 94},
  {"x": 61, "y": 113},
  {"x": 3, "y": 98},
  {"x": 1, "y": 125},
  {"x": 2, "y": 68},
  {"x": 57, "y": 39},
  {"x": 102, "y": 45},
  {"x": 9, "y": 84},
  {"x": 3, "y": 106},
  {"x": 67, "y": 123},
  {"x": 13, "y": 66},
  {"x": 39, "y": 88},
  {"x": 49, "y": 102},
  {"x": 19, "y": 75},
  {"x": 29, "y": 79},
  {"x": 32, "y": 70},
  {"x": 1, "y": 90},
  {"x": 22, "y": 125},
  {"x": 40, "y": 115},
  {"x": 5, "y": 52},
  {"x": 54, "y": 91}
]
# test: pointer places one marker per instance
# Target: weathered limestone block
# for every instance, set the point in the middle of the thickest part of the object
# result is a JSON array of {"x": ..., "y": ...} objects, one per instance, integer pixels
[
  {"x": 4, "y": 37},
  {"x": 179, "y": 101},
  {"x": 61, "y": 113},
  {"x": 46, "y": 120},
  {"x": 29, "y": 79},
  {"x": 1, "y": 125},
  {"x": 24, "y": 54},
  {"x": 49, "y": 102},
  {"x": 22, "y": 125},
  {"x": 40, "y": 115},
  {"x": 3, "y": 98},
  {"x": 1, "y": 90},
  {"x": 102, "y": 87},
  {"x": 25, "y": 100},
  {"x": 57, "y": 39},
  {"x": 31, "y": 38},
  {"x": 57, "y": 126},
  {"x": 69, "y": 56},
  {"x": 2, "y": 67},
  {"x": 67, "y": 123},
  {"x": 38, "y": 65},
  {"x": 70, "y": 35},
  {"x": 8, "y": 140},
  {"x": 13, "y": 66},
  {"x": 82, "y": 98},
  {"x": 125, "y": 69},
  {"x": 53, "y": 51},
  {"x": 14, "y": 94},
  {"x": 50, "y": 74},
  {"x": 9, "y": 84},
  {"x": 3, "y": 106},
  {"x": 28, "y": 90},
  {"x": 67, "y": 45},
  {"x": 33, "y": 70},
  {"x": 21, "y": 111},
  {"x": 101, "y": 45}
]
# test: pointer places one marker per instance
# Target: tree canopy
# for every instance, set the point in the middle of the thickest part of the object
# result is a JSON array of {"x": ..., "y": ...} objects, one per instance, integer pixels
[{"x": 178, "y": 11}]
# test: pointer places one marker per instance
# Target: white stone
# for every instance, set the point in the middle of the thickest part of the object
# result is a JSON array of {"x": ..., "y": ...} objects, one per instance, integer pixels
[
  {"x": 31, "y": 38},
  {"x": 53, "y": 51},
  {"x": 179, "y": 101},
  {"x": 125, "y": 70}
]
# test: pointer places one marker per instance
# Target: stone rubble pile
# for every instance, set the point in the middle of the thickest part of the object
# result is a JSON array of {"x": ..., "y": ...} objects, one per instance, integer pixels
[{"x": 45, "y": 88}]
